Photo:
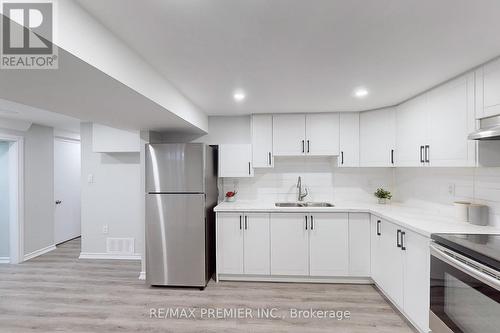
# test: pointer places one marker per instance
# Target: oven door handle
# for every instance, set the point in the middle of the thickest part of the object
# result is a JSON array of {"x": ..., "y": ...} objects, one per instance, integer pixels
[{"x": 446, "y": 256}]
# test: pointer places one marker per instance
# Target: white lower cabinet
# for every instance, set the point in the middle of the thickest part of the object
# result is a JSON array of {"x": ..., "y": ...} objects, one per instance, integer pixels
[
  {"x": 359, "y": 244},
  {"x": 289, "y": 244},
  {"x": 401, "y": 268},
  {"x": 243, "y": 243},
  {"x": 328, "y": 244}
]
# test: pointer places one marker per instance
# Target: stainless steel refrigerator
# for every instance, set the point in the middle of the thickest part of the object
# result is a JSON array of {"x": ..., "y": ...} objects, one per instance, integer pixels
[{"x": 181, "y": 187}]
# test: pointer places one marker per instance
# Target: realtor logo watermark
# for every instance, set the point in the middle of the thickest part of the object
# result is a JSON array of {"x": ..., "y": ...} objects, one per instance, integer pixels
[{"x": 27, "y": 33}]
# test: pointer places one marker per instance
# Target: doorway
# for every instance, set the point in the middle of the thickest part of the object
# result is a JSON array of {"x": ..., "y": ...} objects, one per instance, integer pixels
[
  {"x": 11, "y": 199},
  {"x": 67, "y": 166}
]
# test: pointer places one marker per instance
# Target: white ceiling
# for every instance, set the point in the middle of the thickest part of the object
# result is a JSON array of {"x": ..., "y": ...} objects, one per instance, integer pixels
[{"x": 304, "y": 56}]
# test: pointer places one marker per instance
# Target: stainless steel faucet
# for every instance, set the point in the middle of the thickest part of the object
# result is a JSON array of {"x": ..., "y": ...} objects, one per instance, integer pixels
[{"x": 301, "y": 195}]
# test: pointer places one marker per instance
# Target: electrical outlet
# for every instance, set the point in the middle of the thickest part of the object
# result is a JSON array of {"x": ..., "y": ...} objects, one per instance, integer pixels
[
  {"x": 105, "y": 229},
  {"x": 90, "y": 178},
  {"x": 451, "y": 189}
]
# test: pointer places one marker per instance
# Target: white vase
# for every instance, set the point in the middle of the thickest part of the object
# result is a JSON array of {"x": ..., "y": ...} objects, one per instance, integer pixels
[
  {"x": 382, "y": 201},
  {"x": 231, "y": 199}
]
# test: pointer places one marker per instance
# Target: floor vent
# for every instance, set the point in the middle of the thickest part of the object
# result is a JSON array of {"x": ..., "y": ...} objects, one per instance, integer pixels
[{"x": 120, "y": 245}]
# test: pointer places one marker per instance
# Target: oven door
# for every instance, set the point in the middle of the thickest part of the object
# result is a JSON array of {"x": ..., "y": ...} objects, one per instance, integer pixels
[{"x": 465, "y": 295}]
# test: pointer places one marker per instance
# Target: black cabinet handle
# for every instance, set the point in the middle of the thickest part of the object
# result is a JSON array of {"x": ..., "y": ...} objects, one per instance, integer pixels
[
  {"x": 306, "y": 222},
  {"x": 303, "y": 149},
  {"x": 249, "y": 168},
  {"x": 342, "y": 157},
  {"x": 392, "y": 156},
  {"x": 427, "y": 158},
  {"x": 246, "y": 225},
  {"x": 422, "y": 160},
  {"x": 240, "y": 222},
  {"x": 378, "y": 228},
  {"x": 403, "y": 240},
  {"x": 312, "y": 223},
  {"x": 308, "y": 146},
  {"x": 269, "y": 158},
  {"x": 398, "y": 236}
]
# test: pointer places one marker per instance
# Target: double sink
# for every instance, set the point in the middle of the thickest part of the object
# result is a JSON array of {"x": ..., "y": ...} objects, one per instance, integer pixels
[{"x": 303, "y": 204}]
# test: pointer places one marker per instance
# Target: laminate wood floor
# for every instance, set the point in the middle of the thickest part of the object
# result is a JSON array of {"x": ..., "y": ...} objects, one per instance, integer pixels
[{"x": 57, "y": 292}]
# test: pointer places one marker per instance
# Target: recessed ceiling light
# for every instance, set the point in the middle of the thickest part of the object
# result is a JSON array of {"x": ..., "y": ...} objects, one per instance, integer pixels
[
  {"x": 239, "y": 96},
  {"x": 360, "y": 92}
]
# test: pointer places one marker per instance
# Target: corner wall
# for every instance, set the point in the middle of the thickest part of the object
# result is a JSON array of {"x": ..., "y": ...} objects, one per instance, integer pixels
[{"x": 114, "y": 198}]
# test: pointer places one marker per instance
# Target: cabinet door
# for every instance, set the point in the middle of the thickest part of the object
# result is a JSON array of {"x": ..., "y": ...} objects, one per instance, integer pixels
[
  {"x": 376, "y": 249},
  {"x": 262, "y": 141},
  {"x": 349, "y": 140},
  {"x": 257, "y": 244},
  {"x": 329, "y": 249},
  {"x": 289, "y": 244},
  {"x": 235, "y": 160},
  {"x": 411, "y": 132},
  {"x": 359, "y": 244},
  {"x": 289, "y": 134},
  {"x": 451, "y": 113},
  {"x": 322, "y": 134},
  {"x": 391, "y": 259},
  {"x": 230, "y": 243},
  {"x": 416, "y": 278},
  {"x": 488, "y": 90},
  {"x": 377, "y": 135}
]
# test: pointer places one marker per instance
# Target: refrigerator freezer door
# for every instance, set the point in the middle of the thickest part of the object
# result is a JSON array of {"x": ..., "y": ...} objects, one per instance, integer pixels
[
  {"x": 175, "y": 240},
  {"x": 175, "y": 168}
]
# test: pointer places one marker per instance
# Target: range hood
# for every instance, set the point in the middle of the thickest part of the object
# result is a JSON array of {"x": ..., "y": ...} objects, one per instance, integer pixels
[{"x": 489, "y": 129}]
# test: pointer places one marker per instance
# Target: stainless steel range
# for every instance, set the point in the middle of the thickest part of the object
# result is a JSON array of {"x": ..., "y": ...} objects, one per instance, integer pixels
[{"x": 465, "y": 284}]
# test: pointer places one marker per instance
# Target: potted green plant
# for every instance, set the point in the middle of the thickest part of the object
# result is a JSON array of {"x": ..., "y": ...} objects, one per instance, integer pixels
[{"x": 382, "y": 195}]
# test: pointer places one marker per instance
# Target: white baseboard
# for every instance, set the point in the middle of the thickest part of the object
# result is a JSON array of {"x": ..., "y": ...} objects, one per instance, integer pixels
[
  {"x": 287, "y": 278},
  {"x": 109, "y": 256},
  {"x": 4, "y": 260},
  {"x": 142, "y": 275},
  {"x": 39, "y": 252}
]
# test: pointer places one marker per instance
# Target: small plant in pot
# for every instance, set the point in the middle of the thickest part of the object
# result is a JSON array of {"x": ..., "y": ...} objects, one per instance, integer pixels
[
  {"x": 231, "y": 196},
  {"x": 382, "y": 195}
]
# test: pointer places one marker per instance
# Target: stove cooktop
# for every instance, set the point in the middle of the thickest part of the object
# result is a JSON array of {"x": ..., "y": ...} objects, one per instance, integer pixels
[{"x": 480, "y": 247}]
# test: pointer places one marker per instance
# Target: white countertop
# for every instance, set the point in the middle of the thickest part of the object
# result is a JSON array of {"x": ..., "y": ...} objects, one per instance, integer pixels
[{"x": 415, "y": 219}]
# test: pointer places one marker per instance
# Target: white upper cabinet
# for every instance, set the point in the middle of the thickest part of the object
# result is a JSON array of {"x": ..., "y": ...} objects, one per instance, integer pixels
[
  {"x": 349, "y": 139},
  {"x": 107, "y": 139},
  {"x": 235, "y": 160},
  {"x": 377, "y": 136},
  {"x": 312, "y": 134},
  {"x": 322, "y": 134},
  {"x": 289, "y": 132},
  {"x": 262, "y": 141},
  {"x": 411, "y": 132},
  {"x": 488, "y": 90},
  {"x": 451, "y": 119}
]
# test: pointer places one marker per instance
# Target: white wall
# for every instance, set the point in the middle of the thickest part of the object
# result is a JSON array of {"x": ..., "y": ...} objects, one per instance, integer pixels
[
  {"x": 115, "y": 198},
  {"x": 223, "y": 129},
  {"x": 38, "y": 188},
  {"x": 430, "y": 188},
  {"x": 4, "y": 199}
]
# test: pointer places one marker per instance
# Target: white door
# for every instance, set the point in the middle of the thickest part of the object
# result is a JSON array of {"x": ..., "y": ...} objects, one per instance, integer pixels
[
  {"x": 322, "y": 134},
  {"x": 376, "y": 249},
  {"x": 416, "y": 279},
  {"x": 451, "y": 119},
  {"x": 235, "y": 160},
  {"x": 349, "y": 139},
  {"x": 289, "y": 244},
  {"x": 359, "y": 244},
  {"x": 329, "y": 249},
  {"x": 289, "y": 135},
  {"x": 257, "y": 244},
  {"x": 66, "y": 190},
  {"x": 391, "y": 259},
  {"x": 376, "y": 138},
  {"x": 411, "y": 132},
  {"x": 262, "y": 141},
  {"x": 230, "y": 243}
]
